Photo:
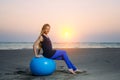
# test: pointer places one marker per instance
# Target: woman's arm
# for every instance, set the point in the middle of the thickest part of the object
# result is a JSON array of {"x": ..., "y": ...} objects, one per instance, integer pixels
[{"x": 36, "y": 44}]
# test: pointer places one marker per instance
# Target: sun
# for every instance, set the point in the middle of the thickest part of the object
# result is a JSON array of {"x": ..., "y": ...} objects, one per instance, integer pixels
[{"x": 66, "y": 34}]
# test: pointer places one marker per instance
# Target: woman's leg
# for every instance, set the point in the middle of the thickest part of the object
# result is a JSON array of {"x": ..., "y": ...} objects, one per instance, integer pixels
[{"x": 62, "y": 55}]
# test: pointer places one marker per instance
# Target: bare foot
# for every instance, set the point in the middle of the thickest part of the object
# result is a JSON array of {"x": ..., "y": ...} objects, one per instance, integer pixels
[
  {"x": 71, "y": 71},
  {"x": 79, "y": 71}
]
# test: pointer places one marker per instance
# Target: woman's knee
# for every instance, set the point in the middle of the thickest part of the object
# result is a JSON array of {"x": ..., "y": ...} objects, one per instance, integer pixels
[{"x": 64, "y": 52}]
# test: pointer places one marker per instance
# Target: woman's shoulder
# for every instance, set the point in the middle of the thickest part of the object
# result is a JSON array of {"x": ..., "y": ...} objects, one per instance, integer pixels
[{"x": 41, "y": 38}]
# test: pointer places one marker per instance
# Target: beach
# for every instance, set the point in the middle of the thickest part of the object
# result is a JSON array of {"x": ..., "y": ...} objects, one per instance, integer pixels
[{"x": 100, "y": 64}]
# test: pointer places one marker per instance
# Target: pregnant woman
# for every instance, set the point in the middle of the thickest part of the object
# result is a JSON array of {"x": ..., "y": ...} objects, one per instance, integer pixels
[{"x": 44, "y": 42}]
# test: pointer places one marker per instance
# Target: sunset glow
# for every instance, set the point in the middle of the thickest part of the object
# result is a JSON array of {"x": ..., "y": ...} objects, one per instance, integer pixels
[
  {"x": 66, "y": 34},
  {"x": 70, "y": 20}
]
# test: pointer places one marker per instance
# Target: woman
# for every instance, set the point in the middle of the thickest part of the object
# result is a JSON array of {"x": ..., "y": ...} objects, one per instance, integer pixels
[{"x": 44, "y": 42}]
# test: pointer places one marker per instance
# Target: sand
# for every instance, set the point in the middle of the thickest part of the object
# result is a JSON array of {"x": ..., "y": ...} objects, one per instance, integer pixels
[{"x": 100, "y": 64}]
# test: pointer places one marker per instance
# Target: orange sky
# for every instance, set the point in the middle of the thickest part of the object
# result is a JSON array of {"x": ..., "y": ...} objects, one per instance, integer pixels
[{"x": 81, "y": 20}]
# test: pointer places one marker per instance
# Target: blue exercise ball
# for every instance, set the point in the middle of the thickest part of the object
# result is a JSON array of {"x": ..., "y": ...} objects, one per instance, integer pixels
[{"x": 42, "y": 66}]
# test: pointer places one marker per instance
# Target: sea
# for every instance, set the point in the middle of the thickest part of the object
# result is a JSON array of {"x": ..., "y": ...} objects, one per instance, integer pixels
[{"x": 29, "y": 45}]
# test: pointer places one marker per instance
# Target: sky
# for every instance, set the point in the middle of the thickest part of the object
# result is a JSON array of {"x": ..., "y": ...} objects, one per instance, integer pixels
[{"x": 70, "y": 20}]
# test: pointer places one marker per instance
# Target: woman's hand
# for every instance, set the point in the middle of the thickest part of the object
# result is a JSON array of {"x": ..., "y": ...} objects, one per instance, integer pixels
[{"x": 38, "y": 56}]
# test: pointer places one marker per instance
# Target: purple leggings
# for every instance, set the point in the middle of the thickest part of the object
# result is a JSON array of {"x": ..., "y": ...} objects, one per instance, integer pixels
[{"x": 62, "y": 55}]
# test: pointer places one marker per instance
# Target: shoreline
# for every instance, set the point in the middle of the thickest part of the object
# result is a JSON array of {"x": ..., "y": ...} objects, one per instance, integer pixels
[{"x": 62, "y": 48}]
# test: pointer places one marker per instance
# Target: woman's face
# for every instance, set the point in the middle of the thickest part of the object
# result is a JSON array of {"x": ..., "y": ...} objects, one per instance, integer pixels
[{"x": 47, "y": 29}]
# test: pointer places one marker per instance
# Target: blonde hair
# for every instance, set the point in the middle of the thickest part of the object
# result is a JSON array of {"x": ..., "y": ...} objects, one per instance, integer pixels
[{"x": 43, "y": 28}]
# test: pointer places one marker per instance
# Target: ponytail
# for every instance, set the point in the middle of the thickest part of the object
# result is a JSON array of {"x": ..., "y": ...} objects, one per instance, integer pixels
[{"x": 39, "y": 47}]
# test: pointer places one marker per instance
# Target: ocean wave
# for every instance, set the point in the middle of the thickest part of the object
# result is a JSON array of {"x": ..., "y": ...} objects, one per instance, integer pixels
[{"x": 29, "y": 45}]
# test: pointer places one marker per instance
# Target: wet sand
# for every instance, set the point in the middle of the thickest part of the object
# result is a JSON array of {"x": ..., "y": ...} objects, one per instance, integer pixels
[{"x": 100, "y": 64}]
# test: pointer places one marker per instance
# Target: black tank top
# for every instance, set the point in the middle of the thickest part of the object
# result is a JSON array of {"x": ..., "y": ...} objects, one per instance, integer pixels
[{"x": 46, "y": 44}]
